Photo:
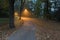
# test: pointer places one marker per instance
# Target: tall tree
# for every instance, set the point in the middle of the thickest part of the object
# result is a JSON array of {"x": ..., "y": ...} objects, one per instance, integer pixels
[
  {"x": 21, "y": 7},
  {"x": 11, "y": 13},
  {"x": 46, "y": 14},
  {"x": 37, "y": 8}
]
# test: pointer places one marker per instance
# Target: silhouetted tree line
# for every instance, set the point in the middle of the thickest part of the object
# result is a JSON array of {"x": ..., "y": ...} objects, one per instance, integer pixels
[
  {"x": 3, "y": 13},
  {"x": 4, "y": 5},
  {"x": 57, "y": 15}
]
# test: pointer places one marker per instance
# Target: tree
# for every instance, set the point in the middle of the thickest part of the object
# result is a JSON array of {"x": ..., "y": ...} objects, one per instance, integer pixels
[
  {"x": 30, "y": 5},
  {"x": 46, "y": 11},
  {"x": 37, "y": 7},
  {"x": 21, "y": 7},
  {"x": 11, "y": 13},
  {"x": 57, "y": 15},
  {"x": 4, "y": 8}
]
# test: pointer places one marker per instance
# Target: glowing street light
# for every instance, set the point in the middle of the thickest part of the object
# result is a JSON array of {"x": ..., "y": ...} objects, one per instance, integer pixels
[
  {"x": 16, "y": 14},
  {"x": 25, "y": 10},
  {"x": 26, "y": 13}
]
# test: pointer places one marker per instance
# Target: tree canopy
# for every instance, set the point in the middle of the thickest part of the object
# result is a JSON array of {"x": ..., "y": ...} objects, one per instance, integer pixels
[{"x": 4, "y": 8}]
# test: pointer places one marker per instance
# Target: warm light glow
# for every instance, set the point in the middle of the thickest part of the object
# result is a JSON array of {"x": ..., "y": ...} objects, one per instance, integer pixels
[
  {"x": 26, "y": 10},
  {"x": 16, "y": 14},
  {"x": 25, "y": 13},
  {"x": 25, "y": 18}
]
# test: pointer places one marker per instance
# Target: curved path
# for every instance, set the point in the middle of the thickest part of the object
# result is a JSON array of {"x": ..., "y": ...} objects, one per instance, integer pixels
[{"x": 26, "y": 32}]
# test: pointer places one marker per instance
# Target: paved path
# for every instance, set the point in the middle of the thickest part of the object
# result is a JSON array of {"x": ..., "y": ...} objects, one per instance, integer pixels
[
  {"x": 43, "y": 30},
  {"x": 26, "y": 32}
]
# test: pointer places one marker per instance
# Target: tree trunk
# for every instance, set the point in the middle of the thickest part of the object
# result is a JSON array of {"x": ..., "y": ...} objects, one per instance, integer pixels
[
  {"x": 46, "y": 9},
  {"x": 11, "y": 12},
  {"x": 21, "y": 7}
]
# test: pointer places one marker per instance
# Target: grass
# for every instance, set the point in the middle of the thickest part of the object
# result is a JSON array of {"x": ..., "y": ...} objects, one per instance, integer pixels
[
  {"x": 4, "y": 20},
  {"x": 4, "y": 26},
  {"x": 4, "y": 23},
  {"x": 51, "y": 25}
]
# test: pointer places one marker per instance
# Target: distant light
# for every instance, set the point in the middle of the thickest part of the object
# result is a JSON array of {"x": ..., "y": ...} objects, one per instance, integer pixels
[
  {"x": 25, "y": 10},
  {"x": 16, "y": 14},
  {"x": 26, "y": 13}
]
